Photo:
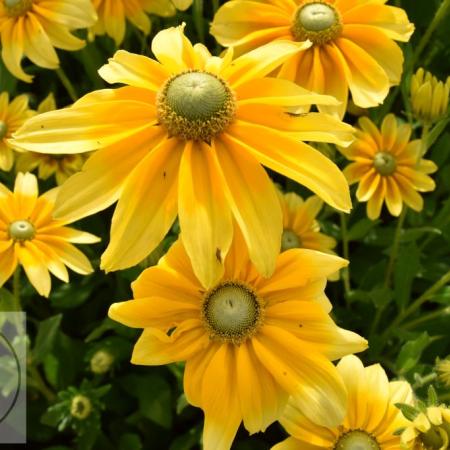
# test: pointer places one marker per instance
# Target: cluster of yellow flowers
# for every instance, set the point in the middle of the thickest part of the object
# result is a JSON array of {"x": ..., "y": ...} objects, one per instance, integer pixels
[{"x": 240, "y": 296}]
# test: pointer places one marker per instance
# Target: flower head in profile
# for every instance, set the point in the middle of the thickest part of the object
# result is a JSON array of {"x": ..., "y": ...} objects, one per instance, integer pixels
[
  {"x": 388, "y": 167},
  {"x": 113, "y": 14},
  {"x": 371, "y": 421},
  {"x": 300, "y": 227},
  {"x": 30, "y": 237},
  {"x": 12, "y": 115},
  {"x": 61, "y": 166},
  {"x": 33, "y": 28},
  {"x": 248, "y": 342},
  {"x": 353, "y": 43},
  {"x": 429, "y": 96},
  {"x": 429, "y": 430},
  {"x": 187, "y": 136},
  {"x": 443, "y": 370}
]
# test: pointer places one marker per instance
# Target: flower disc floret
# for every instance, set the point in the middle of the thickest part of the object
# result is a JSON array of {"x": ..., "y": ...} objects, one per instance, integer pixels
[
  {"x": 319, "y": 22},
  {"x": 357, "y": 440},
  {"x": 15, "y": 8},
  {"x": 384, "y": 163},
  {"x": 195, "y": 105},
  {"x": 21, "y": 230},
  {"x": 81, "y": 407},
  {"x": 232, "y": 312},
  {"x": 290, "y": 239}
]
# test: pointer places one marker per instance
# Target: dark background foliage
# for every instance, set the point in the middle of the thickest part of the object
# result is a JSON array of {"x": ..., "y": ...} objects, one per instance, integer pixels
[{"x": 144, "y": 407}]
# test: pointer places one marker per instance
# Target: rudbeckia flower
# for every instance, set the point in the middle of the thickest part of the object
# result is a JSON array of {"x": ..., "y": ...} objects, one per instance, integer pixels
[
  {"x": 353, "y": 43},
  {"x": 12, "y": 116},
  {"x": 188, "y": 135},
  {"x": 29, "y": 236},
  {"x": 248, "y": 342},
  {"x": 61, "y": 166},
  {"x": 429, "y": 96},
  {"x": 371, "y": 420},
  {"x": 113, "y": 14},
  {"x": 388, "y": 167},
  {"x": 300, "y": 227},
  {"x": 429, "y": 430},
  {"x": 33, "y": 28}
]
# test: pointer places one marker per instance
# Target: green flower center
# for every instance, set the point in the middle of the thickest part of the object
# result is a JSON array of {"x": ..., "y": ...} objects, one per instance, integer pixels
[
  {"x": 16, "y": 8},
  {"x": 21, "y": 230},
  {"x": 289, "y": 240},
  {"x": 317, "y": 21},
  {"x": 232, "y": 312},
  {"x": 195, "y": 105},
  {"x": 356, "y": 440},
  {"x": 3, "y": 129},
  {"x": 80, "y": 407},
  {"x": 384, "y": 163}
]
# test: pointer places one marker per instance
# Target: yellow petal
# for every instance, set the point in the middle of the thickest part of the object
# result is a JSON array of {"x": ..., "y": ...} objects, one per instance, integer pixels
[
  {"x": 174, "y": 50},
  {"x": 156, "y": 347},
  {"x": 293, "y": 444},
  {"x": 310, "y": 378},
  {"x": 260, "y": 62},
  {"x": 135, "y": 70},
  {"x": 205, "y": 217},
  {"x": 100, "y": 182},
  {"x": 367, "y": 80},
  {"x": 153, "y": 312},
  {"x": 219, "y": 400},
  {"x": 254, "y": 203},
  {"x": 274, "y": 91},
  {"x": 8, "y": 263},
  {"x": 294, "y": 160},
  {"x": 35, "y": 269},
  {"x": 25, "y": 194},
  {"x": 262, "y": 401},
  {"x": 147, "y": 208},
  {"x": 86, "y": 127}
]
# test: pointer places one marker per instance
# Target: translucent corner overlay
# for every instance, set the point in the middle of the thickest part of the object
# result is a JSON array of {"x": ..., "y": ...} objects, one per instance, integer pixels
[{"x": 13, "y": 352}]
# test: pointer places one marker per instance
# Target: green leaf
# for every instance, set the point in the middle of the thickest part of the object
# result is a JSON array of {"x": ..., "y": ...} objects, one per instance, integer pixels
[
  {"x": 360, "y": 229},
  {"x": 437, "y": 130},
  {"x": 381, "y": 296},
  {"x": 413, "y": 234},
  {"x": 46, "y": 337},
  {"x": 6, "y": 301},
  {"x": 411, "y": 352},
  {"x": 154, "y": 397},
  {"x": 406, "y": 268},
  {"x": 432, "y": 396},
  {"x": 130, "y": 441},
  {"x": 407, "y": 410}
]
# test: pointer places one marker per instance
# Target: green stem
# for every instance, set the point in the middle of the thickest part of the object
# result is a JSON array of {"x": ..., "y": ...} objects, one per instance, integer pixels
[
  {"x": 346, "y": 254},
  {"x": 394, "y": 248},
  {"x": 426, "y": 317},
  {"x": 16, "y": 290},
  {"x": 35, "y": 379},
  {"x": 422, "y": 381},
  {"x": 197, "y": 9},
  {"x": 67, "y": 84},
  {"x": 419, "y": 302},
  {"x": 215, "y": 6},
  {"x": 439, "y": 15},
  {"x": 423, "y": 138}
]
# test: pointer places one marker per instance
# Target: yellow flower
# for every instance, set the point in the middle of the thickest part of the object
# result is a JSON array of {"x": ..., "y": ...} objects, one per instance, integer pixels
[
  {"x": 33, "y": 28},
  {"x": 12, "y": 116},
  {"x": 62, "y": 166},
  {"x": 429, "y": 96},
  {"x": 112, "y": 15},
  {"x": 388, "y": 167},
  {"x": 443, "y": 370},
  {"x": 29, "y": 236},
  {"x": 248, "y": 342},
  {"x": 430, "y": 430},
  {"x": 188, "y": 135},
  {"x": 371, "y": 417},
  {"x": 353, "y": 43},
  {"x": 300, "y": 227}
]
